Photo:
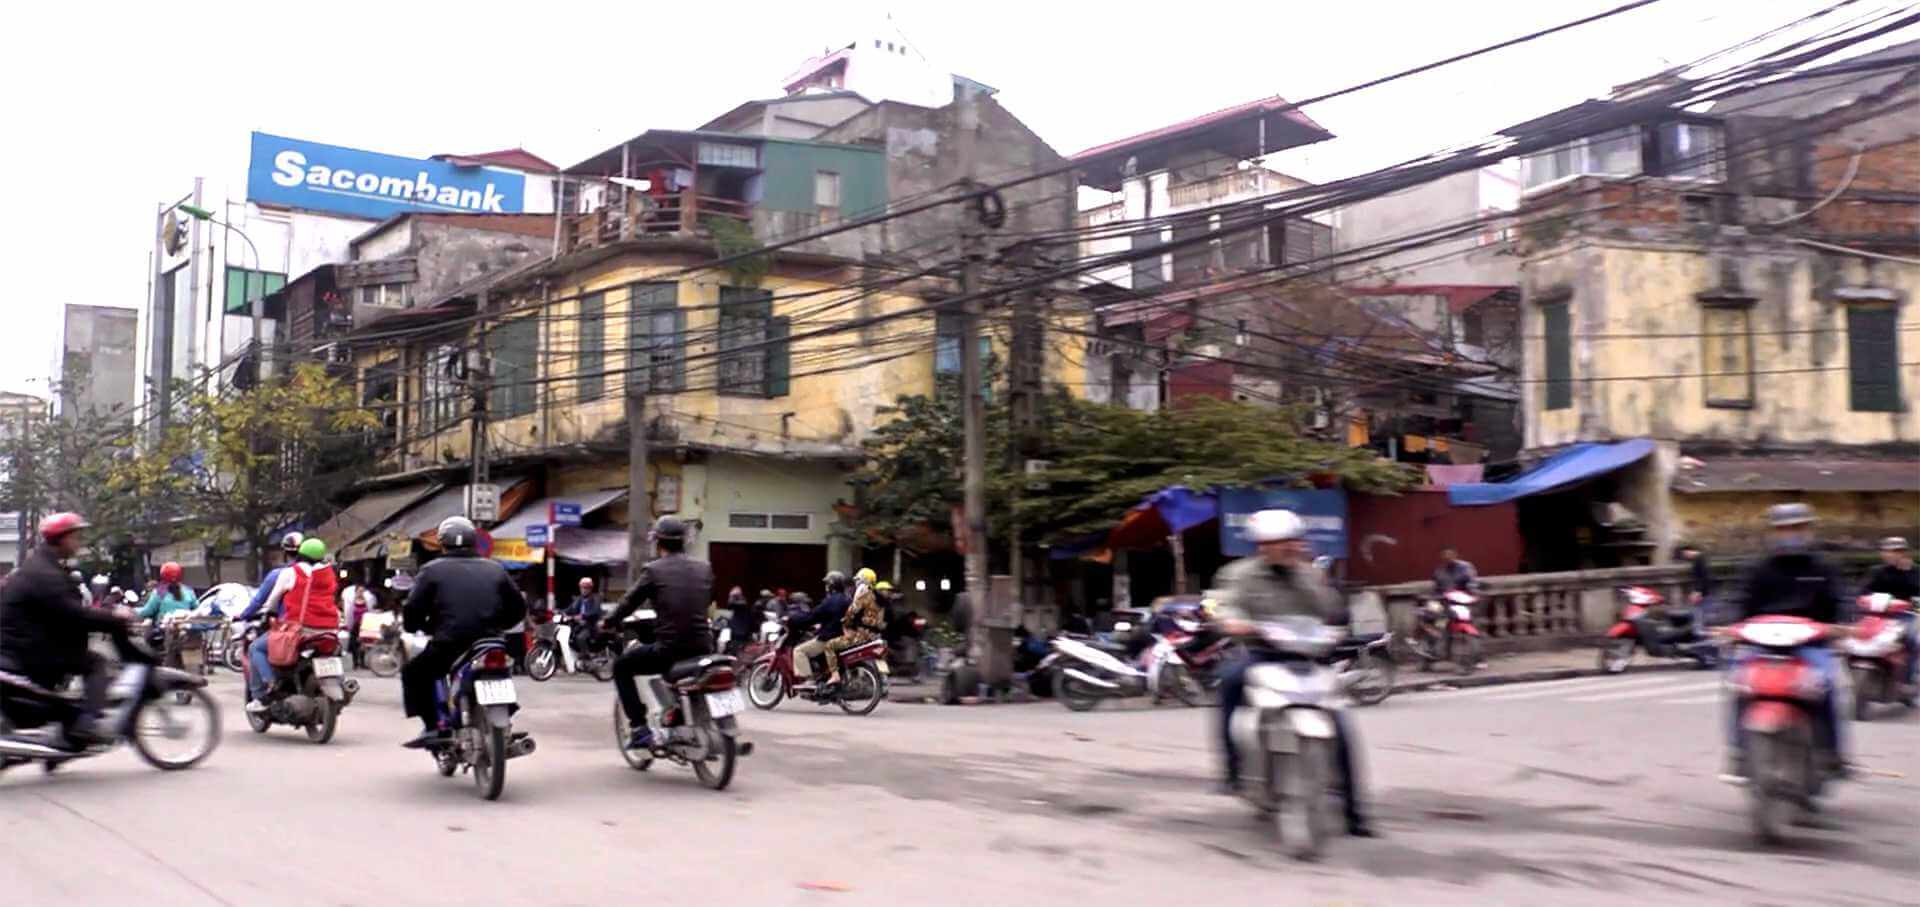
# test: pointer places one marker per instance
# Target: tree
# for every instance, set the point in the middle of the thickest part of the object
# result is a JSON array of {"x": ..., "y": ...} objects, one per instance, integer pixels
[
  {"x": 68, "y": 463},
  {"x": 236, "y": 464}
]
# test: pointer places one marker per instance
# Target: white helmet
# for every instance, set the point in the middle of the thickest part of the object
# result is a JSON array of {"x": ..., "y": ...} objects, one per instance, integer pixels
[
  {"x": 1275, "y": 526},
  {"x": 99, "y": 579}
]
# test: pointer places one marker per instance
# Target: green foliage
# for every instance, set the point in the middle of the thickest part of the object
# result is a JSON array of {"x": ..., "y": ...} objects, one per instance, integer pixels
[
  {"x": 735, "y": 237},
  {"x": 69, "y": 463}
]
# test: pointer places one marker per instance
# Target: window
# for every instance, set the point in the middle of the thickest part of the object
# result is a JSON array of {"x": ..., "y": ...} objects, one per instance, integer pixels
[
  {"x": 799, "y": 522},
  {"x": 589, "y": 365},
  {"x": 754, "y": 352},
  {"x": 1726, "y": 336},
  {"x": 380, "y": 394},
  {"x": 1690, "y": 151},
  {"x": 1303, "y": 241},
  {"x": 514, "y": 346},
  {"x": 1559, "y": 358},
  {"x": 244, "y": 286},
  {"x": 826, "y": 189},
  {"x": 949, "y": 327},
  {"x": 1873, "y": 360},
  {"x": 657, "y": 326},
  {"x": 1614, "y": 153},
  {"x": 721, "y": 154},
  {"x": 1146, "y": 271},
  {"x": 440, "y": 387},
  {"x": 386, "y": 295}
]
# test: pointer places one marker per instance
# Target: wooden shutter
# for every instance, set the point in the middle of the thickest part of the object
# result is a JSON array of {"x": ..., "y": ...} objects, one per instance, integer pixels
[
  {"x": 1873, "y": 360},
  {"x": 779, "y": 357},
  {"x": 1559, "y": 359}
]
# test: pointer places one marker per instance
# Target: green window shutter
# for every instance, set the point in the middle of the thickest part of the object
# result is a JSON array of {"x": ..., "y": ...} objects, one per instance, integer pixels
[
  {"x": 779, "y": 357},
  {"x": 1559, "y": 359},
  {"x": 1873, "y": 358},
  {"x": 592, "y": 358},
  {"x": 679, "y": 349},
  {"x": 639, "y": 339}
]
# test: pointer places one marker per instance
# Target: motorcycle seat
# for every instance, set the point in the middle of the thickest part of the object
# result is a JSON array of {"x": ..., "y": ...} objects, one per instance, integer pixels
[
  {"x": 475, "y": 651},
  {"x": 690, "y": 667},
  {"x": 872, "y": 645}
]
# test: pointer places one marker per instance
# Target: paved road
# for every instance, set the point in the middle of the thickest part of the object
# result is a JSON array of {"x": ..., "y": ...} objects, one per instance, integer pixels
[{"x": 1588, "y": 791}]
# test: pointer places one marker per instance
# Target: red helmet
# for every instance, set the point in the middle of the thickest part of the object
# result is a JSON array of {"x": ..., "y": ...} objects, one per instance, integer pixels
[
  {"x": 586, "y": 582},
  {"x": 60, "y": 524},
  {"x": 170, "y": 572}
]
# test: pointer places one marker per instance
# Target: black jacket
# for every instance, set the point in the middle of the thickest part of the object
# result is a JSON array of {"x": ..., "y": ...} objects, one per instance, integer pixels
[
  {"x": 1700, "y": 576},
  {"x": 1797, "y": 583},
  {"x": 43, "y": 621},
  {"x": 828, "y": 616},
  {"x": 679, "y": 588},
  {"x": 1894, "y": 581},
  {"x": 461, "y": 598}
]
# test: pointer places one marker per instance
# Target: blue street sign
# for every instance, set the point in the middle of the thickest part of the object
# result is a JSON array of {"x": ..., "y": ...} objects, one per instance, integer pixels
[
  {"x": 537, "y": 535},
  {"x": 566, "y": 514}
]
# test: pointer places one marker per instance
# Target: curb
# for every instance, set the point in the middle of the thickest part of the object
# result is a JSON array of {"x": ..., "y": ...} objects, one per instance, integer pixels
[{"x": 1470, "y": 681}]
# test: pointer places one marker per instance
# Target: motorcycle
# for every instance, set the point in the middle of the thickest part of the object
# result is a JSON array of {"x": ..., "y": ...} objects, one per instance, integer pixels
[
  {"x": 906, "y": 650},
  {"x": 1365, "y": 667},
  {"x": 240, "y": 636},
  {"x": 554, "y": 652},
  {"x": 1286, "y": 733},
  {"x": 1085, "y": 672},
  {"x": 382, "y": 646},
  {"x": 697, "y": 728},
  {"x": 311, "y": 693},
  {"x": 1445, "y": 631},
  {"x": 1777, "y": 698},
  {"x": 1877, "y": 653},
  {"x": 862, "y": 674},
  {"x": 154, "y": 708},
  {"x": 476, "y": 702},
  {"x": 1677, "y": 636}
]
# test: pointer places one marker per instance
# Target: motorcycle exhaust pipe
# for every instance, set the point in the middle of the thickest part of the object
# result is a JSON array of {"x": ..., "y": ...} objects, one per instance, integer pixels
[
  {"x": 520, "y": 746},
  {"x": 30, "y": 750},
  {"x": 744, "y": 748},
  {"x": 1087, "y": 678}
]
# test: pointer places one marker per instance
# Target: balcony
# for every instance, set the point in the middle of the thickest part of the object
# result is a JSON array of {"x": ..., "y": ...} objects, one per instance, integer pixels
[
  {"x": 1233, "y": 184},
  {"x": 639, "y": 215}
]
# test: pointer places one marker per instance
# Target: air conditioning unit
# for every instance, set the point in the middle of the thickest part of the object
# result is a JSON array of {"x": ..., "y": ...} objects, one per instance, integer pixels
[{"x": 1320, "y": 419}]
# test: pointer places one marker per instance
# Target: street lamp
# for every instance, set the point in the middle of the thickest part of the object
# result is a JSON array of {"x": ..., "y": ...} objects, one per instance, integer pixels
[{"x": 259, "y": 302}]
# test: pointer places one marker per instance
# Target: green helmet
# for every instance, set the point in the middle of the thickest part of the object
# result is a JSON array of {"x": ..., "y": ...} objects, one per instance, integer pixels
[{"x": 313, "y": 549}]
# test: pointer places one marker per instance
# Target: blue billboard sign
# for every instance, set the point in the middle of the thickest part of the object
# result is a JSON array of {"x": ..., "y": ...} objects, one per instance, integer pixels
[
  {"x": 537, "y": 535},
  {"x": 566, "y": 514},
  {"x": 297, "y": 174},
  {"x": 1323, "y": 510}
]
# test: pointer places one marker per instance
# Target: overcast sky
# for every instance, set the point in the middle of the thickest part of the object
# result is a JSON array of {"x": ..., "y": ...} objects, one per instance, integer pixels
[{"x": 111, "y": 109}]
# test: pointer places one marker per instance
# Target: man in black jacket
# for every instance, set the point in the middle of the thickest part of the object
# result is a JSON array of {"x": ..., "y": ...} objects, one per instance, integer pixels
[
  {"x": 680, "y": 589},
  {"x": 1899, "y": 577},
  {"x": 827, "y": 619},
  {"x": 44, "y": 623},
  {"x": 457, "y": 600}
]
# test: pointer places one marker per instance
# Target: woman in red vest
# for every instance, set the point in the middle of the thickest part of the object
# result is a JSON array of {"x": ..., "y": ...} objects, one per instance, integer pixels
[{"x": 307, "y": 593}]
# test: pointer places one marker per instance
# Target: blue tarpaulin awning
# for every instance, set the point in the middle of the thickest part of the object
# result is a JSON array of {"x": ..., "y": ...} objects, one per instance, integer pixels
[{"x": 1575, "y": 464}]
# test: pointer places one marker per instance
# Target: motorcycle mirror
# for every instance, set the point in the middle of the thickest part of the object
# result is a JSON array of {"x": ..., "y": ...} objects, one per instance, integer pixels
[
  {"x": 1323, "y": 562},
  {"x": 1122, "y": 627}
]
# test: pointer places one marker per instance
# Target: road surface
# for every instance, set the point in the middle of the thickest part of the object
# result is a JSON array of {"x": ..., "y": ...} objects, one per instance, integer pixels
[{"x": 1595, "y": 791}]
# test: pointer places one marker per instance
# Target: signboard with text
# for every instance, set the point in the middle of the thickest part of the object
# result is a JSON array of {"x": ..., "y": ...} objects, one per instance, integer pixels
[
  {"x": 566, "y": 514},
  {"x": 537, "y": 536},
  {"x": 1323, "y": 510},
  {"x": 298, "y": 174}
]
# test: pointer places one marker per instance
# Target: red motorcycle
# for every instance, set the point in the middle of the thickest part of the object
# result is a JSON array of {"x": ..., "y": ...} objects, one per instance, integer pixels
[
  {"x": 863, "y": 681},
  {"x": 1778, "y": 696},
  {"x": 1877, "y": 653},
  {"x": 1444, "y": 631},
  {"x": 1675, "y": 636}
]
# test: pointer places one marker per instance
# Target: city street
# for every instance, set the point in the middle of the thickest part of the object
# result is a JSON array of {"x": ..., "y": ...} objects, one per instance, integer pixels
[{"x": 1585, "y": 791}]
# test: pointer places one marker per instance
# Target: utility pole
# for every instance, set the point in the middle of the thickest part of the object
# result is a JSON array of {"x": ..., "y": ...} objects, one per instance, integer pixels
[
  {"x": 994, "y": 615},
  {"x": 639, "y": 502},
  {"x": 1026, "y": 351}
]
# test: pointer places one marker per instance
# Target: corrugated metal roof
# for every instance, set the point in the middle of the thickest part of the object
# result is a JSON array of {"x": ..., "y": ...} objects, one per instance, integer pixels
[
  {"x": 515, "y": 158},
  {"x": 1740, "y": 474}
]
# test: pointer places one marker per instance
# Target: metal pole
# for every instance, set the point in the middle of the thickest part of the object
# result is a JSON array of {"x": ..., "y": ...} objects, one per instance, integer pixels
[
  {"x": 639, "y": 503},
  {"x": 992, "y": 615},
  {"x": 193, "y": 283},
  {"x": 553, "y": 550}
]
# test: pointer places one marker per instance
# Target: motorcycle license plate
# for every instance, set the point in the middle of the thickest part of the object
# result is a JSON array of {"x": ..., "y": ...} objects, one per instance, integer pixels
[
  {"x": 328, "y": 667},
  {"x": 494, "y": 692},
  {"x": 725, "y": 703},
  {"x": 1462, "y": 612}
]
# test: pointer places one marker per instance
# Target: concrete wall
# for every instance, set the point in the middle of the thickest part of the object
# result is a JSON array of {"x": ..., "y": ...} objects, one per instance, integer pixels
[
  {"x": 1732, "y": 522},
  {"x": 98, "y": 346},
  {"x": 448, "y": 256},
  {"x": 1475, "y": 259},
  {"x": 1635, "y": 315}
]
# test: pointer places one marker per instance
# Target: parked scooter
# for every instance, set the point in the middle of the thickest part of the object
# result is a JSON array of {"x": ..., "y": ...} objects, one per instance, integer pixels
[
  {"x": 905, "y": 647},
  {"x": 1877, "y": 654},
  {"x": 309, "y": 695},
  {"x": 165, "y": 714},
  {"x": 1365, "y": 667},
  {"x": 1445, "y": 631},
  {"x": 692, "y": 709},
  {"x": 555, "y": 651},
  {"x": 1778, "y": 696},
  {"x": 1085, "y": 672},
  {"x": 477, "y": 701},
  {"x": 1677, "y": 635},
  {"x": 1286, "y": 733}
]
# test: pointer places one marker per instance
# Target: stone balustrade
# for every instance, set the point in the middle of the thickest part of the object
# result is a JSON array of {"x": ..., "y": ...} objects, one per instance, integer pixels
[{"x": 1540, "y": 610}]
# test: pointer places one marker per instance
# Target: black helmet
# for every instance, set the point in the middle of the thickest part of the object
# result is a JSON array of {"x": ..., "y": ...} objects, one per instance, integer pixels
[
  {"x": 670, "y": 528},
  {"x": 457, "y": 533},
  {"x": 1785, "y": 516},
  {"x": 834, "y": 580}
]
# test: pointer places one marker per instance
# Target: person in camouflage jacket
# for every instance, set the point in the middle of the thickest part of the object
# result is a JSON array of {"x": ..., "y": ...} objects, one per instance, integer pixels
[{"x": 863, "y": 623}]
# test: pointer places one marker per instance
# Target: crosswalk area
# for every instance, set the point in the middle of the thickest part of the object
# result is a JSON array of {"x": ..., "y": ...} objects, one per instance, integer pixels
[{"x": 1690, "y": 689}]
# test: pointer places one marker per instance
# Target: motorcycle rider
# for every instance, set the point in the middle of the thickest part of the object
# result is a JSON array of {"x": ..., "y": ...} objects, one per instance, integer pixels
[
  {"x": 741, "y": 620},
  {"x": 1796, "y": 581},
  {"x": 98, "y": 593},
  {"x": 587, "y": 609},
  {"x": 289, "y": 551},
  {"x": 309, "y": 582},
  {"x": 1899, "y": 577},
  {"x": 862, "y": 623},
  {"x": 1278, "y": 581},
  {"x": 44, "y": 627},
  {"x": 679, "y": 588},
  {"x": 169, "y": 597},
  {"x": 458, "y": 599},
  {"x": 1454, "y": 573},
  {"x": 826, "y": 618}
]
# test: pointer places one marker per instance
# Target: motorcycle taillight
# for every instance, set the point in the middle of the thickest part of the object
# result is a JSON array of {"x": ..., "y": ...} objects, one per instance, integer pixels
[
  {"x": 325, "y": 645},
  {"x": 496, "y": 660},
  {"x": 1773, "y": 678},
  {"x": 717, "y": 681}
]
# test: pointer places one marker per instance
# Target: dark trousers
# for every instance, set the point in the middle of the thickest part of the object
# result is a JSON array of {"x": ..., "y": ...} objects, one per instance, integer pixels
[
  {"x": 420, "y": 673},
  {"x": 1233, "y": 692},
  {"x": 650, "y": 660},
  {"x": 94, "y": 680}
]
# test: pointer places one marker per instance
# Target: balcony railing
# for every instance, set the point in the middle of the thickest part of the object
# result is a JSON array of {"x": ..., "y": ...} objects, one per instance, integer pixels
[
  {"x": 1229, "y": 185},
  {"x": 641, "y": 215}
]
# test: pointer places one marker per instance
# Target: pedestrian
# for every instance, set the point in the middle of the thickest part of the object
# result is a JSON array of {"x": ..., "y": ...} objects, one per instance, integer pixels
[{"x": 1699, "y": 584}]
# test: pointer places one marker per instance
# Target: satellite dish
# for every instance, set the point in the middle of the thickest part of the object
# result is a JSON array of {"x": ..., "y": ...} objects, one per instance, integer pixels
[{"x": 173, "y": 233}]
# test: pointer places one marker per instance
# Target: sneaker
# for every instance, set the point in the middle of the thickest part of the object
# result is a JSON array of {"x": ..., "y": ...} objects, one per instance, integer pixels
[
  {"x": 428, "y": 739},
  {"x": 256, "y": 707},
  {"x": 642, "y": 739},
  {"x": 1734, "y": 773},
  {"x": 1361, "y": 828},
  {"x": 1228, "y": 787}
]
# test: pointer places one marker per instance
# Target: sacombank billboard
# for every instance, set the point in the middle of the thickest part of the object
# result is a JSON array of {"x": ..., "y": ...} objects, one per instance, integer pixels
[{"x": 296, "y": 174}]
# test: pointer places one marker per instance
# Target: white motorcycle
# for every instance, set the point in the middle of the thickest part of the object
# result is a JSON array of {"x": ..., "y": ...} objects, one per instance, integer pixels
[
  {"x": 1286, "y": 733},
  {"x": 1085, "y": 673}
]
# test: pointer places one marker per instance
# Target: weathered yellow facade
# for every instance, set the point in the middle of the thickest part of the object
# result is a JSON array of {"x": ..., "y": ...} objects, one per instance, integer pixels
[{"x": 1734, "y": 521}]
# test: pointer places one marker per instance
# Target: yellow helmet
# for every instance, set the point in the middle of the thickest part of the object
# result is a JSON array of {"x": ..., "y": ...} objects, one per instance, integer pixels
[
  {"x": 883, "y": 586},
  {"x": 866, "y": 575}
]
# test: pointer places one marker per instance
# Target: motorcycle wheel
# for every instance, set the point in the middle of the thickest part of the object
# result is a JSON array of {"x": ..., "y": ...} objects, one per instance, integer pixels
[
  {"x": 1771, "y": 769},
  {"x": 603, "y": 668},
  {"x": 638, "y": 760},
  {"x": 717, "y": 777},
  {"x": 1376, "y": 676},
  {"x": 490, "y": 757},
  {"x": 259, "y": 723},
  {"x": 382, "y": 661},
  {"x": 1865, "y": 683},
  {"x": 1176, "y": 679},
  {"x": 326, "y": 719},
  {"x": 1304, "y": 819},
  {"x": 860, "y": 691},
  {"x": 542, "y": 662},
  {"x": 236, "y": 656},
  {"x": 1616, "y": 655},
  {"x": 1075, "y": 695},
  {"x": 1466, "y": 652},
  {"x": 191, "y": 704},
  {"x": 764, "y": 688}
]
